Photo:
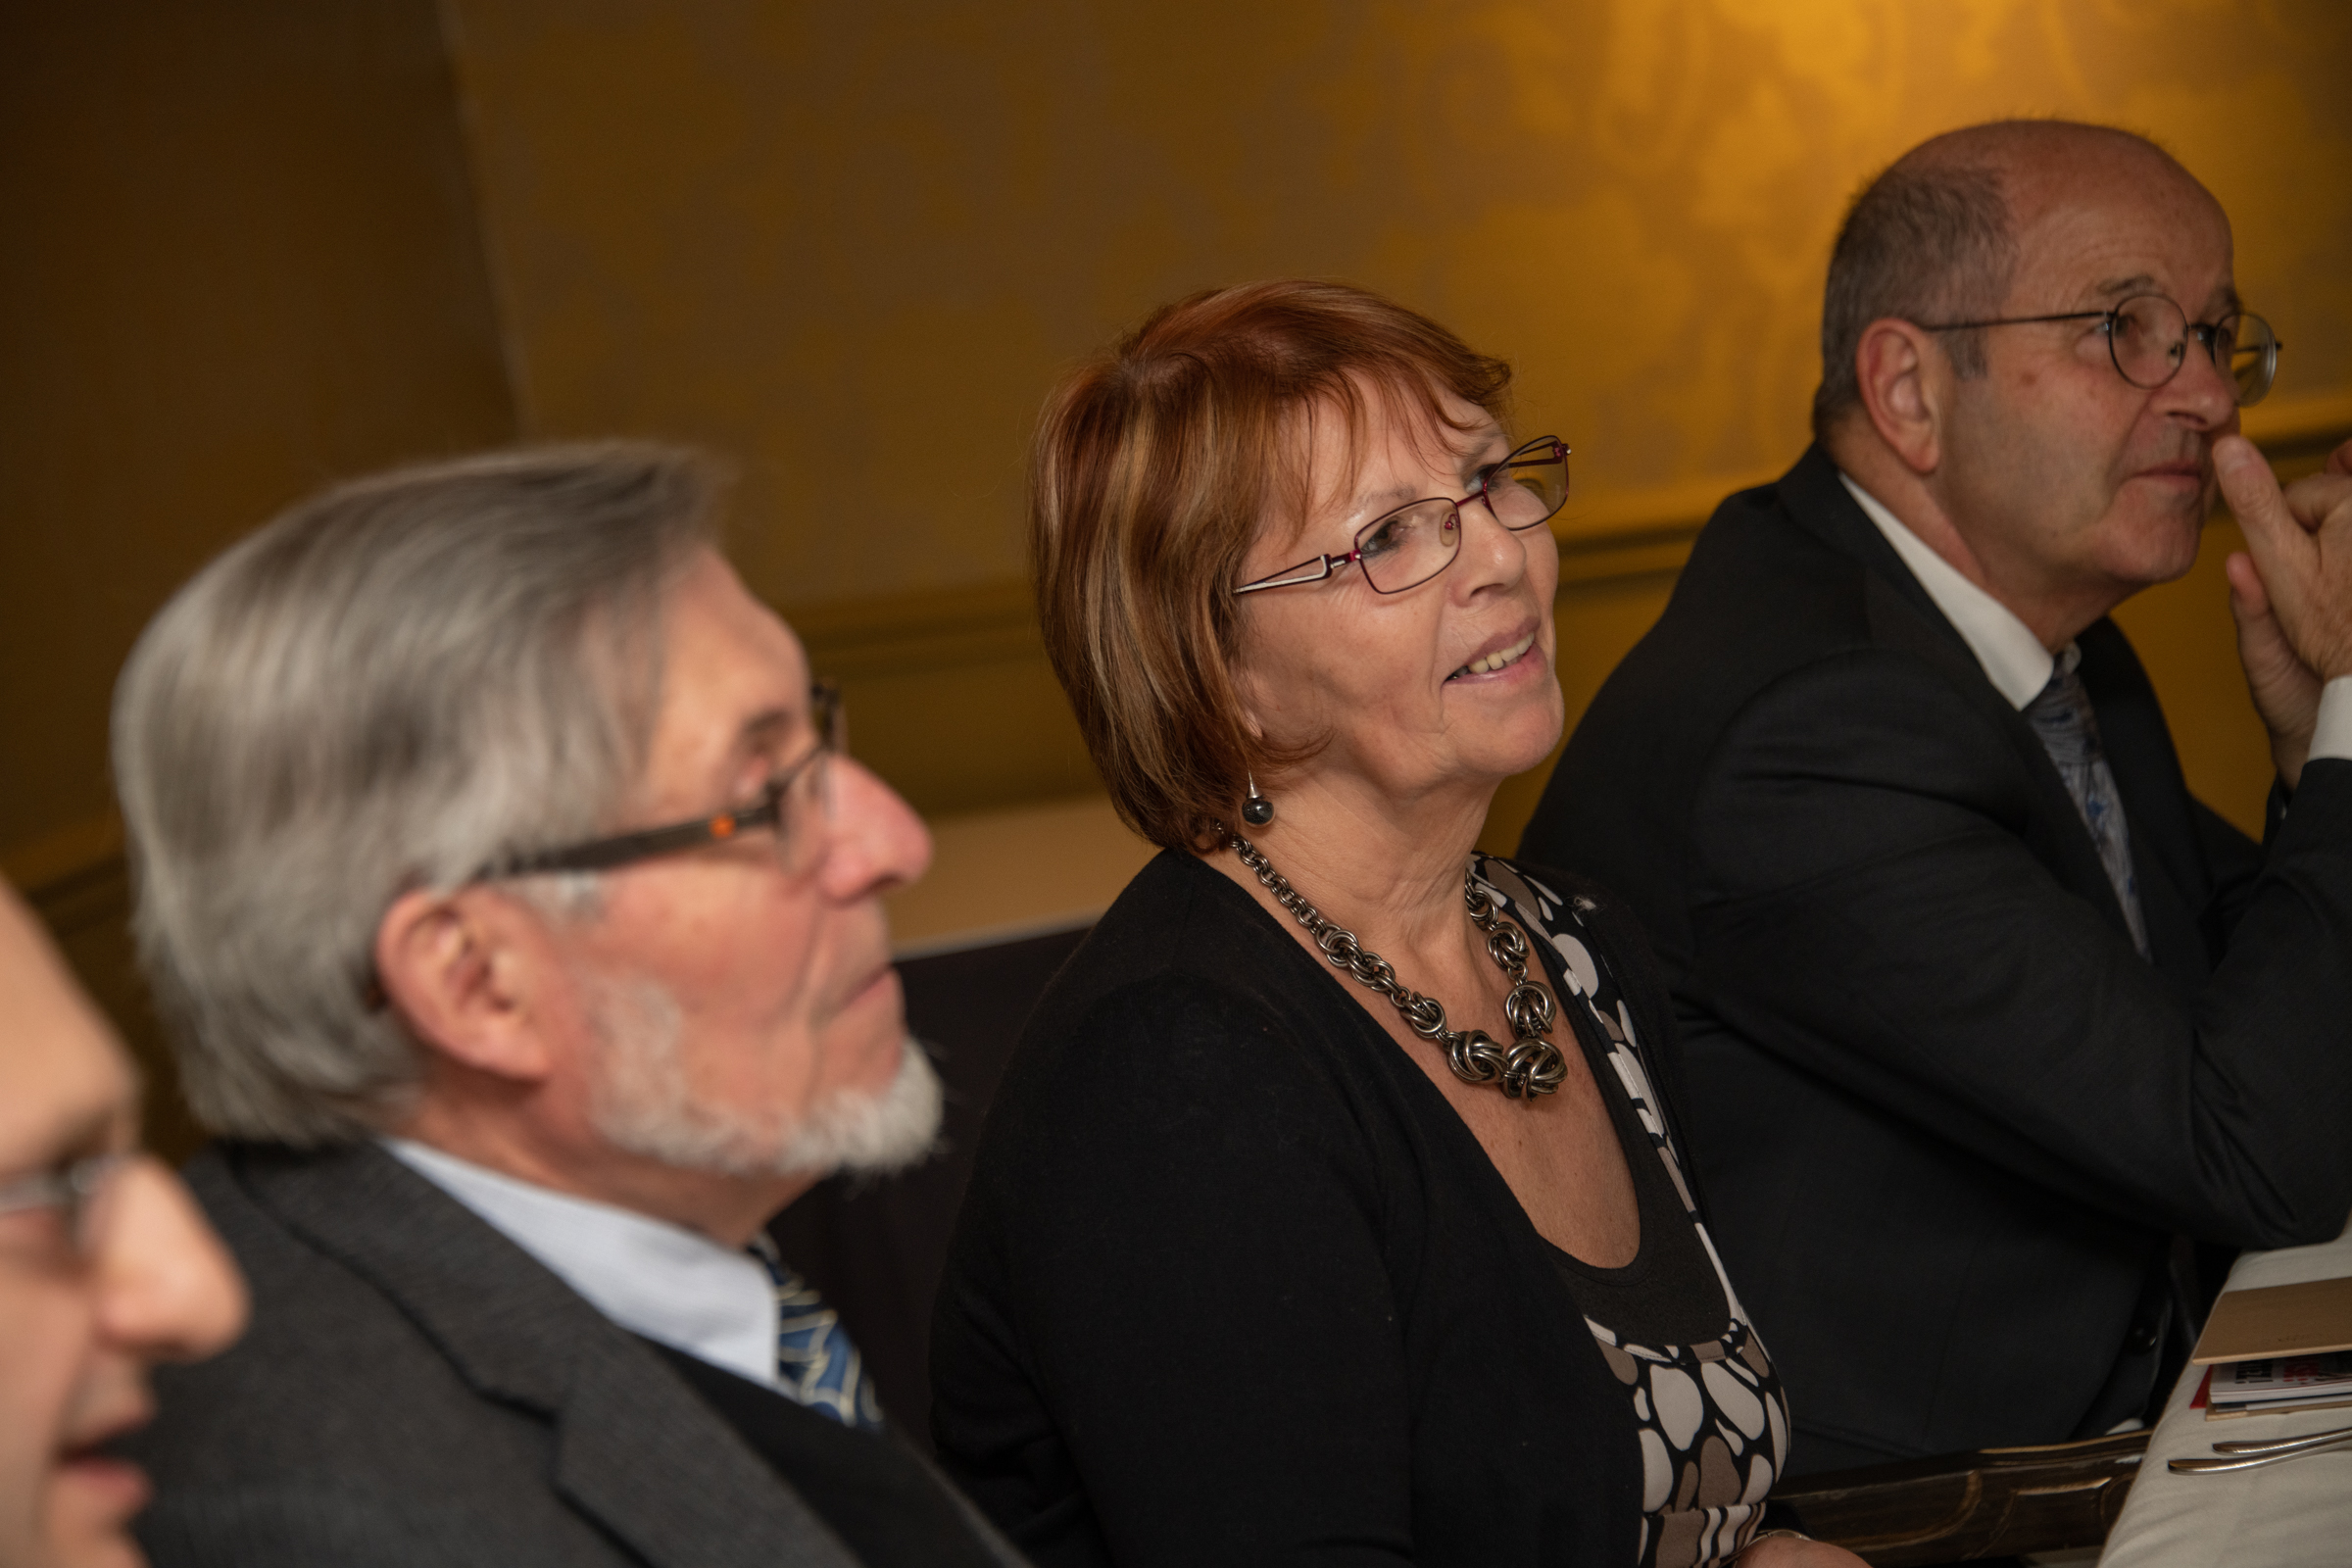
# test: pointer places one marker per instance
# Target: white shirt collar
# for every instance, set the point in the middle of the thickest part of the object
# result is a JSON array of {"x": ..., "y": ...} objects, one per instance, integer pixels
[
  {"x": 653, "y": 1278},
  {"x": 2012, "y": 657}
]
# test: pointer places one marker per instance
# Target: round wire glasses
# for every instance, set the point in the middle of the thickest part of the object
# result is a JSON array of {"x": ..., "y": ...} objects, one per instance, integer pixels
[
  {"x": 2148, "y": 335},
  {"x": 1405, "y": 548}
]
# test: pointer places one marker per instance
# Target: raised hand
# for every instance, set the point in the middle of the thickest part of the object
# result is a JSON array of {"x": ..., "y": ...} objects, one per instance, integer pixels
[{"x": 2291, "y": 593}]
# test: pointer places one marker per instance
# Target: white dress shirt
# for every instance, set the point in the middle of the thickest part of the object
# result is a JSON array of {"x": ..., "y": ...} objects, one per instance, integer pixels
[
  {"x": 2013, "y": 657},
  {"x": 651, "y": 1277}
]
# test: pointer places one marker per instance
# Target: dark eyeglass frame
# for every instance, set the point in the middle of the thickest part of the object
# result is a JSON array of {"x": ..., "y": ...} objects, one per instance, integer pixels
[
  {"x": 825, "y": 715},
  {"x": 75, "y": 1189},
  {"x": 1319, "y": 567},
  {"x": 2205, "y": 334}
]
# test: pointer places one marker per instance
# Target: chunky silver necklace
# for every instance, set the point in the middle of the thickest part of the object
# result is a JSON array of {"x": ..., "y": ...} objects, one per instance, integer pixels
[{"x": 1529, "y": 1066}]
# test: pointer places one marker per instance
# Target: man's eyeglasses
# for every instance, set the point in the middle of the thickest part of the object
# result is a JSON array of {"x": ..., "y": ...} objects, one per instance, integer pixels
[
  {"x": 2147, "y": 337},
  {"x": 793, "y": 806},
  {"x": 76, "y": 1189},
  {"x": 1405, "y": 548}
]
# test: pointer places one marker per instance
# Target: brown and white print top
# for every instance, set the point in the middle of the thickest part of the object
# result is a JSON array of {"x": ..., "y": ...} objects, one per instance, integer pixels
[{"x": 1710, "y": 1415}]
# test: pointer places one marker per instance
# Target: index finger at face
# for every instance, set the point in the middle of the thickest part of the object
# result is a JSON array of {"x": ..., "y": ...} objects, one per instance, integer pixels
[{"x": 2254, "y": 497}]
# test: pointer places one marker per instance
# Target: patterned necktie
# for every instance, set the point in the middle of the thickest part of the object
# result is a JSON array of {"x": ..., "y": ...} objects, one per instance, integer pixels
[
  {"x": 2070, "y": 732},
  {"x": 816, "y": 1365}
]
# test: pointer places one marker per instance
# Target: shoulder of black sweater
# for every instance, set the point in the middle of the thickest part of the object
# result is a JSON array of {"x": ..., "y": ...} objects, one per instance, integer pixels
[
  {"x": 1179, "y": 928},
  {"x": 1187, "y": 993},
  {"x": 1191, "y": 1034}
]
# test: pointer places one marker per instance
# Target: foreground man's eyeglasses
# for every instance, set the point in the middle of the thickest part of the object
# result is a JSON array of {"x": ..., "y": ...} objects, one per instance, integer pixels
[
  {"x": 1405, "y": 548},
  {"x": 792, "y": 807},
  {"x": 75, "y": 1189},
  {"x": 2147, "y": 339}
]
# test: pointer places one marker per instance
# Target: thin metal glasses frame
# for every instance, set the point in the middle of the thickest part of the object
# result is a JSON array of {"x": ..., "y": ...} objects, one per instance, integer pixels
[
  {"x": 2205, "y": 334},
  {"x": 1320, "y": 568}
]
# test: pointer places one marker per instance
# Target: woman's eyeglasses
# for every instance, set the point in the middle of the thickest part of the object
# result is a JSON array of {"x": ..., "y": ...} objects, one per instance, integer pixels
[{"x": 1405, "y": 548}]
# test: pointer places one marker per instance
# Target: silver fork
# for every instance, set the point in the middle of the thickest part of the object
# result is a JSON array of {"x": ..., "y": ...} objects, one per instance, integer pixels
[{"x": 2254, "y": 1455}]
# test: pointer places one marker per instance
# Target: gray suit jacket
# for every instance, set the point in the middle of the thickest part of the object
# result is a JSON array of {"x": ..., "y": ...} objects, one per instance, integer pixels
[{"x": 416, "y": 1390}]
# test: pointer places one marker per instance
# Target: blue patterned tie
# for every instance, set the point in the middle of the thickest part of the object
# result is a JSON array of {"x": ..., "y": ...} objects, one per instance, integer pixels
[
  {"x": 2070, "y": 732},
  {"x": 816, "y": 1365}
]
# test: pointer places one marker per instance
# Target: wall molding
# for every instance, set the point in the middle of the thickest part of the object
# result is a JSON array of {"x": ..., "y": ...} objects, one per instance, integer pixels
[
  {"x": 1625, "y": 535},
  {"x": 1618, "y": 535},
  {"x": 74, "y": 874},
  {"x": 943, "y": 627}
]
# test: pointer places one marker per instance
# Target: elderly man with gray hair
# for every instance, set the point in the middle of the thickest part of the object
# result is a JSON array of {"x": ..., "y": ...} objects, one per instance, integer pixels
[{"x": 518, "y": 915}]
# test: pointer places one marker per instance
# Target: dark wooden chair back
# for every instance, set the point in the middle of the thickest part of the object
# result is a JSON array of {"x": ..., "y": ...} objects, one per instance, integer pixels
[{"x": 1960, "y": 1507}]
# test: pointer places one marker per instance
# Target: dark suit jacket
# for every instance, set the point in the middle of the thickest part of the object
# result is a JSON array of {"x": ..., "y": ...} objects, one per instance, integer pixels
[
  {"x": 416, "y": 1390},
  {"x": 1947, "y": 1116}
]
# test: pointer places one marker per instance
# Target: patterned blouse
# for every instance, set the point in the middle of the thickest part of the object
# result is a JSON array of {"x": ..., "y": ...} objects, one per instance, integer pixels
[{"x": 1712, "y": 1420}]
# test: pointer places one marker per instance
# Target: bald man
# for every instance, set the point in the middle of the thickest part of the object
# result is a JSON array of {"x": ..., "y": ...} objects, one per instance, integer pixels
[
  {"x": 1986, "y": 1016},
  {"x": 105, "y": 1268}
]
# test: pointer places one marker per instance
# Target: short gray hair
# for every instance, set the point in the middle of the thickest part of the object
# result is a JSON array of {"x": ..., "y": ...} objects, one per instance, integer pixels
[
  {"x": 393, "y": 684},
  {"x": 1928, "y": 240},
  {"x": 1934, "y": 239}
]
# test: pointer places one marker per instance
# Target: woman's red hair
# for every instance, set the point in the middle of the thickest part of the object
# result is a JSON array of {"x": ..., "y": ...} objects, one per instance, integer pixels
[{"x": 1153, "y": 470}]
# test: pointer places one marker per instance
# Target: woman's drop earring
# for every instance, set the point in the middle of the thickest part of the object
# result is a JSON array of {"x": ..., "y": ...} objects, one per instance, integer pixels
[{"x": 1257, "y": 810}]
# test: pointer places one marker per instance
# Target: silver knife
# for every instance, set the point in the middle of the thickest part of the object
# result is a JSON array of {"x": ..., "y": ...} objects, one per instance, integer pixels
[
  {"x": 2255, "y": 1461},
  {"x": 2314, "y": 1440}
]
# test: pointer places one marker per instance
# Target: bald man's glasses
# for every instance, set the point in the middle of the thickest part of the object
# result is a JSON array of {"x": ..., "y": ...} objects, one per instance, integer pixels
[
  {"x": 75, "y": 1190},
  {"x": 2148, "y": 337},
  {"x": 793, "y": 807}
]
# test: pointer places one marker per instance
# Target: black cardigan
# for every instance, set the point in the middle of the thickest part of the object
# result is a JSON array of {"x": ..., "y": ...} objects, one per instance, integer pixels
[{"x": 1234, "y": 1284}]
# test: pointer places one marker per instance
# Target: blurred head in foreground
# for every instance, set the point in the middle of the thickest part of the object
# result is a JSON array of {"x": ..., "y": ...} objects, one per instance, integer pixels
[
  {"x": 104, "y": 1267},
  {"x": 480, "y": 804},
  {"x": 520, "y": 912}
]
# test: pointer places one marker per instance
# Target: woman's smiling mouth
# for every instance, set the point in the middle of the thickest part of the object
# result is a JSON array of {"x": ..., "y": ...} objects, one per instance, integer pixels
[{"x": 1488, "y": 664}]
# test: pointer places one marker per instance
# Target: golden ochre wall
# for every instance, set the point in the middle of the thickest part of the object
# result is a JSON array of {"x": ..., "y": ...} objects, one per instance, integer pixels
[
  {"x": 261, "y": 244},
  {"x": 242, "y": 259},
  {"x": 853, "y": 245}
]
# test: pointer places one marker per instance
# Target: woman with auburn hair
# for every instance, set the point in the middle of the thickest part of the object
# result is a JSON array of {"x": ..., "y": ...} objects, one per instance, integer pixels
[{"x": 1334, "y": 1208}]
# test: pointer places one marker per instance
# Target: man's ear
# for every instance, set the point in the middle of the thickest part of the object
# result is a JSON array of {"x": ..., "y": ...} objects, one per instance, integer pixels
[
  {"x": 1900, "y": 372},
  {"x": 468, "y": 973}
]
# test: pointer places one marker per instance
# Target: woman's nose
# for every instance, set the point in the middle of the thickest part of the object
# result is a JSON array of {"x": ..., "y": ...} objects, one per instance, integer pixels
[
  {"x": 1489, "y": 553},
  {"x": 168, "y": 1290}
]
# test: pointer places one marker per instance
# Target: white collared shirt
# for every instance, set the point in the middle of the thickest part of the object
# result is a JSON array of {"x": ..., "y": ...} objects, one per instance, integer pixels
[
  {"x": 2013, "y": 657},
  {"x": 653, "y": 1278}
]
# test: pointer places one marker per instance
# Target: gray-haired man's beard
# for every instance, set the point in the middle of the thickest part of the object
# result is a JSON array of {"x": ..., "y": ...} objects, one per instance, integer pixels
[{"x": 640, "y": 1100}]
